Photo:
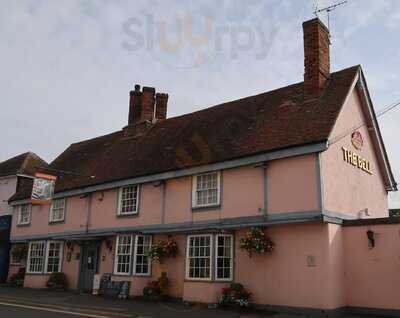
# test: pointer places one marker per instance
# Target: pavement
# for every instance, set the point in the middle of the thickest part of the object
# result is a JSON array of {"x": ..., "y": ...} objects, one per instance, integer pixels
[{"x": 34, "y": 303}]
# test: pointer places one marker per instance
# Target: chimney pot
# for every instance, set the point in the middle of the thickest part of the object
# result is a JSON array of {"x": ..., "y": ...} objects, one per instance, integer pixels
[{"x": 316, "y": 57}]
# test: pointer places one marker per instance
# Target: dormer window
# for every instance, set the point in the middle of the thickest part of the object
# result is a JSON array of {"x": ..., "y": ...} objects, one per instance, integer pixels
[
  {"x": 24, "y": 214},
  {"x": 206, "y": 190},
  {"x": 128, "y": 203},
  {"x": 57, "y": 210}
]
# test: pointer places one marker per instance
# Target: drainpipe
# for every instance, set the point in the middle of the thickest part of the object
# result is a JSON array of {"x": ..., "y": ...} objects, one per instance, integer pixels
[
  {"x": 89, "y": 213},
  {"x": 265, "y": 179},
  {"x": 264, "y": 209},
  {"x": 164, "y": 193}
]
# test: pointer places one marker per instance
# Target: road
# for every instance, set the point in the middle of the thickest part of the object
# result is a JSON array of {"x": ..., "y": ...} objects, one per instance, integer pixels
[{"x": 22, "y": 311}]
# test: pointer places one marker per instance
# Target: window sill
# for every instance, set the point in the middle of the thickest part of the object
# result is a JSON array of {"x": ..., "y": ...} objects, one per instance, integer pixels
[
  {"x": 130, "y": 215},
  {"x": 23, "y": 224},
  {"x": 206, "y": 207},
  {"x": 56, "y": 222},
  {"x": 193, "y": 280},
  {"x": 122, "y": 275}
]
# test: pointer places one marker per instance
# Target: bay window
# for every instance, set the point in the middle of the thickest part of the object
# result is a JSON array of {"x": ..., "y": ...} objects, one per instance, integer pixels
[
  {"x": 131, "y": 255},
  {"x": 208, "y": 261},
  {"x": 45, "y": 257}
]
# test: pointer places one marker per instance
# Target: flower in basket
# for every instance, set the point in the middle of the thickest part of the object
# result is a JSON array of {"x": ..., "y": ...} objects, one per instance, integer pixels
[
  {"x": 255, "y": 241},
  {"x": 162, "y": 249}
]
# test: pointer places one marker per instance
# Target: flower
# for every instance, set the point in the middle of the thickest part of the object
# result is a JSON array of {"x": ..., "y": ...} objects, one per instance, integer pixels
[
  {"x": 256, "y": 241},
  {"x": 161, "y": 249}
]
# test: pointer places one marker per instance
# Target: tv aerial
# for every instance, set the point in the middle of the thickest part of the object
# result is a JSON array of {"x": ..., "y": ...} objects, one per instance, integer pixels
[{"x": 328, "y": 10}]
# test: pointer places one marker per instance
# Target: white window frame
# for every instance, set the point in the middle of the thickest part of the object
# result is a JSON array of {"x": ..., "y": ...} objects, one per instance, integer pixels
[
  {"x": 29, "y": 206},
  {"x": 136, "y": 210},
  {"x": 194, "y": 190},
  {"x": 210, "y": 257},
  {"x": 117, "y": 241},
  {"x": 148, "y": 258},
  {"x": 217, "y": 256},
  {"x": 47, "y": 256},
  {"x": 51, "y": 214},
  {"x": 42, "y": 259}
]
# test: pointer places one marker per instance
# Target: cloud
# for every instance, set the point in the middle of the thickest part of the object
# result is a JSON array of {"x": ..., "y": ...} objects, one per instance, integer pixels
[{"x": 65, "y": 75}]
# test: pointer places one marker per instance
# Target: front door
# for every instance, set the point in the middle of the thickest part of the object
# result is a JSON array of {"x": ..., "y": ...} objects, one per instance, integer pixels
[{"x": 89, "y": 265}]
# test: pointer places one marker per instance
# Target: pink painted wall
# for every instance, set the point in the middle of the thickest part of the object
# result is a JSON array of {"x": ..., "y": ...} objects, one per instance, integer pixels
[
  {"x": 294, "y": 178},
  {"x": 348, "y": 189},
  {"x": 75, "y": 219},
  {"x": 372, "y": 275},
  {"x": 71, "y": 268},
  {"x": 284, "y": 277},
  {"x": 35, "y": 281},
  {"x": 7, "y": 189}
]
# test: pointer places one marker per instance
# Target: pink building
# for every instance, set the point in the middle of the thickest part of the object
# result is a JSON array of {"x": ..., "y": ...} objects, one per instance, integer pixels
[
  {"x": 289, "y": 161},
  {"x": 14, "y": 172}
]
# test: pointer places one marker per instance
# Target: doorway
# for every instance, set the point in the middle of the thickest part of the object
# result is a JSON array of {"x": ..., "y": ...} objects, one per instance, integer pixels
[{"x": 88, "y": 265}]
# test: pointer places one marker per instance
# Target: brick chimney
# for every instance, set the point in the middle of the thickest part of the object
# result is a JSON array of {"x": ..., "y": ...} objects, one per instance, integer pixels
[
  {"x": 145, "y": 108},
  {"x": 161, "y": 106},
  {"x": 316, "y": 57},
  {"x": 135, "y": 105}
]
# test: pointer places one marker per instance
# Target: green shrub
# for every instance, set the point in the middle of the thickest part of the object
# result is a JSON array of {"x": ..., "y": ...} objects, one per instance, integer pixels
[{"x": 57, "y": 280}]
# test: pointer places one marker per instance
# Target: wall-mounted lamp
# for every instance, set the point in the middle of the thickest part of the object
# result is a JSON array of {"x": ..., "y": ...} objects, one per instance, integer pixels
[
  {"x": 371, "y": 239},
  {"x": 70, "y": 246},
  {"x": 109, "y": 245}
]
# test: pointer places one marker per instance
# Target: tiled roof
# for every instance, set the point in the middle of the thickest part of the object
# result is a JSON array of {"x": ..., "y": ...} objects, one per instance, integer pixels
[
  {"x": 26, "y": 163},
  {"x": 269, "y": 121}
]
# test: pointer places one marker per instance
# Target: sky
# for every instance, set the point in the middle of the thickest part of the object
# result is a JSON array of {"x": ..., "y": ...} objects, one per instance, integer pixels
[{"x": 66, "y": 67}]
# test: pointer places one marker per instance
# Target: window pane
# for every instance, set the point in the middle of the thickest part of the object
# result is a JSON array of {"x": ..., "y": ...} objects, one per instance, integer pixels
[
  {"x": 224, "y": 257},
  {"x": 123, "y": 254},
  {"x": 199, "y": 261},
  {"x": 36, "y": 257},
  {"x": 142, "y": 261}
]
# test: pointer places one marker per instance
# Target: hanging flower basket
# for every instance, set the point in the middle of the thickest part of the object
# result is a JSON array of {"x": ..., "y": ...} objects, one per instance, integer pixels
[
  {"x": 163, "y": 249},
  {"x": 255, "y": 241},
  {"x": 19, "y": 251}
]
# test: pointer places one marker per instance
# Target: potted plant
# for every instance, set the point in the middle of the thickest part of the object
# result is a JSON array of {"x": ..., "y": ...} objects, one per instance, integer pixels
[
  {"x": 158, "y": 289},
  {"x": 17, "y": 279},
  {"x": 57, "y": 281},
  {"x": 255, "y": 241},
  {"x": 236, "y": 296}
]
